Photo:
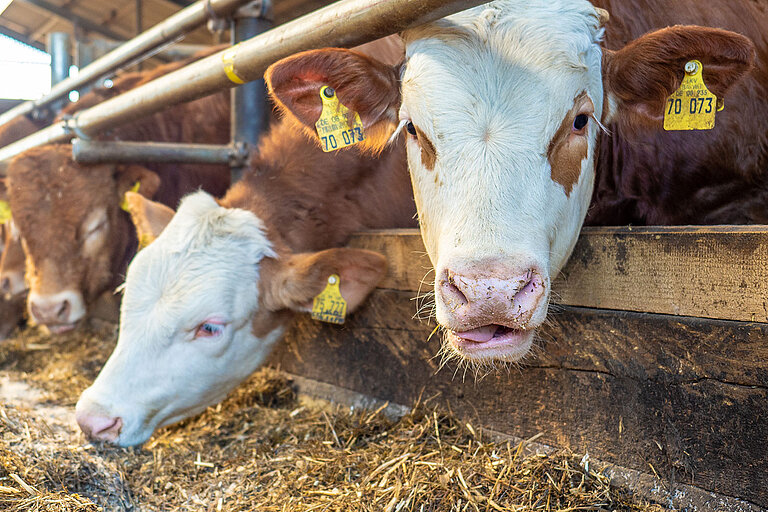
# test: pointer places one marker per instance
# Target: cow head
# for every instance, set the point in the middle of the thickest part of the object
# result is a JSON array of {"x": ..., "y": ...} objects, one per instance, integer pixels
[
  {"x": 73, "y": 231},
  {"x": 203, "y": 305},
  {"x": 502, "y": 105}
]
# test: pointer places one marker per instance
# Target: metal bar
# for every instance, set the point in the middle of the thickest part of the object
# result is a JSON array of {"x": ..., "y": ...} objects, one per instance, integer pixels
[
  {"x": 74, "y": 18},
  {"x": 250, "y": 106},
  {"x": 174, "y": 52},
  {"x": 97, "y": 152},
  {"x": 61, "y": 60},
  {"x": 345, "y": 23},
  {"x": 168, "y": 30}
]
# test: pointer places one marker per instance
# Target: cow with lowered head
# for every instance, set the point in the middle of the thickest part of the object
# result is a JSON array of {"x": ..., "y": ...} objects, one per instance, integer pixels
[
  {"x": 503, "y": 105},
  {"x": 207, "y": 299},
  {"x": 77, "y": 241}
]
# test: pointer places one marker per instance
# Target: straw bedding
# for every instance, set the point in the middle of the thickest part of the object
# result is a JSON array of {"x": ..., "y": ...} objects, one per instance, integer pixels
[{"x": 265, "y": 449}]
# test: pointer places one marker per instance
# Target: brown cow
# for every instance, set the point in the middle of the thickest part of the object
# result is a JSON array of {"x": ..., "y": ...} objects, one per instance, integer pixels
[
  {"x": 12, "y": 287},
  {"x": 18, "y": 128},
  {"x": 711, "y": 177},
  {"x": 77, "y": 240}
]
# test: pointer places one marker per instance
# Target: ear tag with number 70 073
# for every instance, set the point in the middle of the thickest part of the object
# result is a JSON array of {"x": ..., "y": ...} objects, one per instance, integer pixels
[
  {"x": 338, "y": 127},
  {"x": 330, "y": 306},
  {"x": 692, "y": 106}
]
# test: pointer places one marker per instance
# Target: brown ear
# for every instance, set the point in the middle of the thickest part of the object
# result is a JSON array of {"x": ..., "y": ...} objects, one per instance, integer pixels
[
  {"x": 293, "y": 282},
  {"x": 639, "y": 77},
  {"x": 129, "y": 175},
  {"x": 362, "y": 84},
  {"x": 149, "y": 217}
]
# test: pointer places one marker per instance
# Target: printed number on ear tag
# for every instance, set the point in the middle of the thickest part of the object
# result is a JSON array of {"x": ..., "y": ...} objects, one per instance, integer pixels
[
  {"x": 338, "y": 127},
  {"x": 330, "y": 306},
  {"x": 691, "y": 106},
  {"x": 5, "y": 212},
  {"x": 124, "y": 202}
]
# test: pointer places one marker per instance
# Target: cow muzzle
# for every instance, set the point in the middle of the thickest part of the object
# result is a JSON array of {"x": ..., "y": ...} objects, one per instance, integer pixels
[
  {"x": 491, "y": 310},
  {"x": 59, "y": 312}
]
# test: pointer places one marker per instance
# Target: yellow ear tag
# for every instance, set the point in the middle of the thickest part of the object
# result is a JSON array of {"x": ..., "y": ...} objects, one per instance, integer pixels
[
  {"x": 5, "y": 212},
  {"x": 338, "y": 127},
  {"x": 144, "y": 240},
  {"x": 124, "y": 203},
  {"x": 330, "y": 306},
  {"x": 691, "y": 106}
]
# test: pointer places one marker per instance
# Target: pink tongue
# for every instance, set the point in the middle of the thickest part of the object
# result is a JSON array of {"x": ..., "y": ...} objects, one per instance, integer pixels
[{"x": 479, "y": 335}]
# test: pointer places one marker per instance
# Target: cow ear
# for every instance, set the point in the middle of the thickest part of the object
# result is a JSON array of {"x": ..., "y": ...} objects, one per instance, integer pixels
[
  {"x": 128, "y": 176},
  {"x": 639, "y": 77},
  {"x": 149, "y": 217},
  {"x": 294, "y": 281},
  {"x": 362, "y": 84}
]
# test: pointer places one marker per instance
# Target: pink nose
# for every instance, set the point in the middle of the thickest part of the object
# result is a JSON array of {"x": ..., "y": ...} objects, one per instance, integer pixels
[
  {"x": 54, "y": 312},
  {"x": 491, "y": 294},
  {"x": 96, "y": 426}
]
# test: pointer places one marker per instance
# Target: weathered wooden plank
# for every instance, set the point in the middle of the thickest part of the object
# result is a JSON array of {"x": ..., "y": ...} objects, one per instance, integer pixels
[
  {"x": 713, "y": 272},
  {"x": 686, "y": 396}
]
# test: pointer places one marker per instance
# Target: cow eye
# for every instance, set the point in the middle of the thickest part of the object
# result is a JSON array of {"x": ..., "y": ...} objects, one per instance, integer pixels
[
  {"x": 580, "y": 122},
  {"x": 410, "y": 128},
  {"x": 209, "y": 329}
]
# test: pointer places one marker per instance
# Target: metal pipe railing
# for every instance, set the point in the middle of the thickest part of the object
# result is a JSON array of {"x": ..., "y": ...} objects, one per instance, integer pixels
[
  {"x": 97, "y": 152},
  {"x": 344, "y": 23},
  {"x": 183, "y": 21}
]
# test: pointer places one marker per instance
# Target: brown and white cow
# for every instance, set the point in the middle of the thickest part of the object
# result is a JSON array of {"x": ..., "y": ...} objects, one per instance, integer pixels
[
  {"x": 12, "y": 287},
  {"x": 205, "y": 302},
  {"x": 503, "y": 104},
  {"x": 77, "y": 241}
]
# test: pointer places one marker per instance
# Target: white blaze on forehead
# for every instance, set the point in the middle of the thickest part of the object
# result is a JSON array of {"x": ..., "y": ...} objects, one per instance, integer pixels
[
  {"x": 203, "y": 267},
  {"x": 490, "y": 87}
]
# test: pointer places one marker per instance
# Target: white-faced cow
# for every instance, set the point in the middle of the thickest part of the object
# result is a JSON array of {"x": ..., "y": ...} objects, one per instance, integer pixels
[
  {"x": 502, "y": 105},
  {"x": 205, "y": 302}
]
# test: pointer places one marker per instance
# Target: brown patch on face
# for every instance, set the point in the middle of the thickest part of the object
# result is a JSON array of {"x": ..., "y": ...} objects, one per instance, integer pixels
[
  {"x": 568, "y": 149},
  {"x": 428, "y": 153}
]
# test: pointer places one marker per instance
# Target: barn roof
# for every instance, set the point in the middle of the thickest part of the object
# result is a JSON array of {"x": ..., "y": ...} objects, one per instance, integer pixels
[{"x": 31, "y": 20}]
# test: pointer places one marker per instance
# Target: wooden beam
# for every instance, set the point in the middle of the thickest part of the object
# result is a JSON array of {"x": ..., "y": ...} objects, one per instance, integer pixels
[
  {"x": 75, "y": 19},
  {"x": 713, "y": 272},
  {"x": 682, "y": 397}
]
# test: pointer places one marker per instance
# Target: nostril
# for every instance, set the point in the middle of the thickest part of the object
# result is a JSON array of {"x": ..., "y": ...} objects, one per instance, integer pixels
[
  {"x": 452, "y": 293},
  {"x": 99, "y": 427},
  {"x": 63, "y": 312},
  {"x": 5, "y": 285}
]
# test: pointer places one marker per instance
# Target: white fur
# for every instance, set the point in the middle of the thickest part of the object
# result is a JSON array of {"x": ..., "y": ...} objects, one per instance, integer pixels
[
  {"x": 490, "y": 86},
  {"x": 204, "y": 265}
]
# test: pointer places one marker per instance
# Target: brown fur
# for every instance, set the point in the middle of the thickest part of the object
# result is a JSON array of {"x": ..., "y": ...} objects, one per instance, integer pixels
[
  {"x": 18, "y": 128},
  {"x": 567, "y": 151},
  {"x": 712, "y": 177},
  {"x": 50, "y": 198},
  {"x": 362, "y": 84},
  {"x": 311, "y": 201},
  {"x": 428, "y": 152}
]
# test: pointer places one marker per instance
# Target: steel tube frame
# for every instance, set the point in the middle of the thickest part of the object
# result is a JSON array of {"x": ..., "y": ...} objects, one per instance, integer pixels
[
  {"x": 97, "y": 152},
  {"x": 250, "y": 109},
  {"x": 346, "y": 23},
  {"x": 162, "y": 33},
  {"x": 58, "y": 45}
]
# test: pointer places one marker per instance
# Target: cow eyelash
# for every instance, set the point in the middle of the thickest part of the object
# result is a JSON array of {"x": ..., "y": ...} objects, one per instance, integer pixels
[{"x": 209, "y": 329}]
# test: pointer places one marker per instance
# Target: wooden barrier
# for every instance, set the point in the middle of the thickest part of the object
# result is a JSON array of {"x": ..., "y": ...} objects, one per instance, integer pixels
[{"x": 626, "y": 378}]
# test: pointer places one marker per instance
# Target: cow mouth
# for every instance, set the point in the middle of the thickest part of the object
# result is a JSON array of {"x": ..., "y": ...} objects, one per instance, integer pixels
[
  {"x": 61, "y": 328},
  {"x": 492, "y": 341}
]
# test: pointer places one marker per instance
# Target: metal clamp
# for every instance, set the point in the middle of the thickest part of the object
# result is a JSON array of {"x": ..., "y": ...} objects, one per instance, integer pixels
[
  {"x": 71, "y": 126},
  {"x": 216, "y": 24},
  {"x": 239, "y": 154},
  {"x": 260, "y": 9}
]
